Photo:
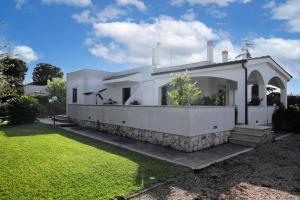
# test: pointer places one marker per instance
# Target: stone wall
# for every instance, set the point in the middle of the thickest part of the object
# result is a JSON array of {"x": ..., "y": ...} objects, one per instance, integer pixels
[{"x": 178, "y": 142}]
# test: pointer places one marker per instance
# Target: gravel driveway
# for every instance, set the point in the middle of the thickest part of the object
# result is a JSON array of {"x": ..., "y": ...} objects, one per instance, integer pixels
[{"x": 271, "y": 171}]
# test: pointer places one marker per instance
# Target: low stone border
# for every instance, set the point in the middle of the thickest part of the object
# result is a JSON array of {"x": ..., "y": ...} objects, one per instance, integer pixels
[{"x": 178, "y": 142}]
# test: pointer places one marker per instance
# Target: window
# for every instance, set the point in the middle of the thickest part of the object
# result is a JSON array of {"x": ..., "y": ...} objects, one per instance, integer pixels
[
  {"x": 126, "y": 94},
  {"x": 74, "y": 99},
  {"x": 164, "y": 96}
]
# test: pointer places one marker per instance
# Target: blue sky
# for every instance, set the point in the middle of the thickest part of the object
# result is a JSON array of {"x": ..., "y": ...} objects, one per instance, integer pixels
[{"x": 118, "y": 34}]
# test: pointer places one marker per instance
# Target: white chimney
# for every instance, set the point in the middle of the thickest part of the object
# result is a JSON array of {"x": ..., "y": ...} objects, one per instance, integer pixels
[
  {"x": 156, "y": 55},
  {"x": 210, "y": 51},
  {"x": 225, "y": 56}
]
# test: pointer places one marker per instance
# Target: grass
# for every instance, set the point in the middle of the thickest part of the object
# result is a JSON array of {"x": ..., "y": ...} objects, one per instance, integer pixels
[{"x": 44, "y": 162}]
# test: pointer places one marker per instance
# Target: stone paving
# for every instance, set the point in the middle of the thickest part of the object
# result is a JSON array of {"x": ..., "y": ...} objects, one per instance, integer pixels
[{"x": 194, "y": 160}]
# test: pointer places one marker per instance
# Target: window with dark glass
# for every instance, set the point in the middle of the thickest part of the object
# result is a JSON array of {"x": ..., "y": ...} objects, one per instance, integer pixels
[
  {"x": 74, "y": 99},
  {"x": 126, "y": 94}
]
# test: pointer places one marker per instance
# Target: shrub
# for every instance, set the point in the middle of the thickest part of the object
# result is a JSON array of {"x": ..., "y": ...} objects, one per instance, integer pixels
[
  {"x": 286, "y": 119},
  {"x": 255, "y": 101},
  {"x": 135, "y": 102},
  {"x": 3, "y": 111},
  {"x": 22, "y": 109}
]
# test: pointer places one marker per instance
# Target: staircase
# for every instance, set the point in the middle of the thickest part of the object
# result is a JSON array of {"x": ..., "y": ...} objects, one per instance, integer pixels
[
  {"x": 63, "y": 121},
  {"x": 250, "y": 135}
]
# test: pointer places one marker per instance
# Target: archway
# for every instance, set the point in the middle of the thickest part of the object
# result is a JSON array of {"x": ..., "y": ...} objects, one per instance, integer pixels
[
  {"x": 256, "y": 89},
  {"x": 276, "y": 92}
]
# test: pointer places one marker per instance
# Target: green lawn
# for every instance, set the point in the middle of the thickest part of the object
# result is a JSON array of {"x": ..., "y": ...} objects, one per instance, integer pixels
[{"x": 43, "y": 162}]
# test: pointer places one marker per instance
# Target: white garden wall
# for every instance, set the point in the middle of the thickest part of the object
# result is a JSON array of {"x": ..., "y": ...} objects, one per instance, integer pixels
[{"x": 184, "y": 121}]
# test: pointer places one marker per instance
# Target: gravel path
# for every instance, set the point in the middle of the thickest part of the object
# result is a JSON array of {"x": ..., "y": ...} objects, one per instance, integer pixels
[{"x": 271, "y": 171}]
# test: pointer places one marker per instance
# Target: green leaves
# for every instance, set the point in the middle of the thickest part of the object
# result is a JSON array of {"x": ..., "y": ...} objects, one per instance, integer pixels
[
  {"x": 44, "y": 72},
  {"x": 183, "y": 90},
  {"x": 57, "y": 87}
]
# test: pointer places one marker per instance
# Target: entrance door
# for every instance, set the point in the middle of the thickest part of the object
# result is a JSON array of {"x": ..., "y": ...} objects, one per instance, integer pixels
[{"x": 126, "y": 94}]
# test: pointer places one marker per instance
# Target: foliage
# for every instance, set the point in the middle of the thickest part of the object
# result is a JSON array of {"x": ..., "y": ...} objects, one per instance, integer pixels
[
  {"x": 110, "y": 102},
  {"x": 57, "y": 87},
  {"x": 217, "y": 99},
  {"x": 44, "y": 108},
  {"x": 255, "y": 101},
  {"x": 183, "y": 90},
  {"x": 22, "y": 109},
  {"x": 286, "y": 119},
  {"x": 205, "y": 100},
  {"x": 12, "y": 72},
  {"x": 295, "y": 107},
  {"x": 135, "y": 102},
  {"x": 6, "y": 90},
  {"x": 220, "y": 98},
  {"x": 44, "y": 72},
  {"x": 293, "y": 99},
  {"x": 51, "y": 163},
  {"x": 273, "y": 98}
]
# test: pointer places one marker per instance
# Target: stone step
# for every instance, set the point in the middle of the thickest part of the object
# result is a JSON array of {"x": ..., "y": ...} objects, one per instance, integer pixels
[
  {"x": 250, "y": 130},
  {"x": 66, "y": 124},
  {"x": 255, "y": 134},
  {"x": 242, "y": 142},
  {"x": 62, "y": 118},
  {"x": 246, "y": 137}
]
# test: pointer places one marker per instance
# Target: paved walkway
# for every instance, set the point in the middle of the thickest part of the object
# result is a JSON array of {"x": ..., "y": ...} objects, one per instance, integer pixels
[{"x": 194, "y": 160}]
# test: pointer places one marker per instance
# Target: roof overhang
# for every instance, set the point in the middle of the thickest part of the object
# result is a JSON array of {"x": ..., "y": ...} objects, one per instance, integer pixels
[{"x": 129, "y": 78}]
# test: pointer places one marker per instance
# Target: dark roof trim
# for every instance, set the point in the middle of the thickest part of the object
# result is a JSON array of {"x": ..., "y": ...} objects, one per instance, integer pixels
[
  {"x": 200, "y": 67},
  {"x": 120, "y": 76}
]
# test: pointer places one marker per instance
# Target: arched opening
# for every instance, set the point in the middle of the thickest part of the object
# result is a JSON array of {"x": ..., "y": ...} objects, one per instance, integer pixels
[
  {"x": 276, "y": 92},
  {"x": 256, "y": 89}
]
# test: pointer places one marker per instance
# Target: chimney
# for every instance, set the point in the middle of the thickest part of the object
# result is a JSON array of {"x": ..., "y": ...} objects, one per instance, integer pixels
[
  {"x": 156, "y": 55},
  {"x": 225, "y": 56},
  {"x": 210, "y": 51}
]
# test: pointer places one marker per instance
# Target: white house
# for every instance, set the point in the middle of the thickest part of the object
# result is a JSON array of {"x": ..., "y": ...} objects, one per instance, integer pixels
[
  {"x": 103, "y": 98},
  {"x": 34, "y": 89}
]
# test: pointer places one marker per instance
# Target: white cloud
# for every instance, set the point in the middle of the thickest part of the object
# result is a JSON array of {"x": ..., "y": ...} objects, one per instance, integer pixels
[
  {"x": 269, "y": 5},
  {"x": 289, "y": 12},
  {"x": 25, "y": 53},
  {"x": 132, "y": 43},
  {"x": 20, "y": 3},
  {"x": 83, "y": 17},
  {"x": 216, "y": 13},
  {"x": 137, "y": 3},
  {"x": 109, "y": 13},
  {"x": 79, "y": 3},
  {"x": 207, "y": 2},
  {"x": 284, "y": 51},
  {"x": 190, "y": 15}
]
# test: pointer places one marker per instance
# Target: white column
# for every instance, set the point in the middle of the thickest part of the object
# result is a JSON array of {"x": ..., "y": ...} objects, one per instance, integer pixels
[{"x": 283, "y": 97}]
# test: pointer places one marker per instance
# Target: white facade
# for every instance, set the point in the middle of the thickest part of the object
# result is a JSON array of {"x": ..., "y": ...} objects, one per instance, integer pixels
[
  {"x": 146, "y": 83},
  {"x": 34, "y": 89}
]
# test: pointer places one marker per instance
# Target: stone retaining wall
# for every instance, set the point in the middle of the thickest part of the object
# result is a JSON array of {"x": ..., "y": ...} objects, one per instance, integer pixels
[{"x": 178, "y": 142}]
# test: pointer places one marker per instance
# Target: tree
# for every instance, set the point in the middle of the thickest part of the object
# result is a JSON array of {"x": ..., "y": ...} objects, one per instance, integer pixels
[
  {"x": 12, "y": 74},
  {"x": 44, "y": 72},
  {"x": 13, "y": 69},
  {"x": 57, "y": 87},
  {"x": 183, "y": 90}
]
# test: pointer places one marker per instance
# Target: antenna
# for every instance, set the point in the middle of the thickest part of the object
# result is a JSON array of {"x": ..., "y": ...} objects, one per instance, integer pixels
[{"x": 245, "y": 50}]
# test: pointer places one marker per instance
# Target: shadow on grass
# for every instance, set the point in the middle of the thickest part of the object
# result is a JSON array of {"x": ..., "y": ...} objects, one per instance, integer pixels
[{"x": 148, "y": 167}]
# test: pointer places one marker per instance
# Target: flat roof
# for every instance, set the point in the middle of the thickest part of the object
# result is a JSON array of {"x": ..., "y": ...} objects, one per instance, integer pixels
[{"x": 193, "y": 66}]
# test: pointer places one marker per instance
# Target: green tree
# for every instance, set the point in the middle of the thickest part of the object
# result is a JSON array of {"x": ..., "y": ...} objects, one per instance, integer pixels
[
  {"x": 44, "y": 72},
  {"x": 57, "y": 87},
  {"x": 12, "y": 74},
  {"x": 183, "y": 90}
]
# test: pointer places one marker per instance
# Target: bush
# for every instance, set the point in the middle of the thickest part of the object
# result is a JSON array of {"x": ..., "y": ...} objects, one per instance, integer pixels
[
  {"x": 44, "y": 108},
  {"x": 3, "y": 111},
  {"x": 286, "y": 119},
  {"x": 22, "y": 109}
]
